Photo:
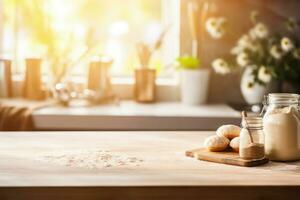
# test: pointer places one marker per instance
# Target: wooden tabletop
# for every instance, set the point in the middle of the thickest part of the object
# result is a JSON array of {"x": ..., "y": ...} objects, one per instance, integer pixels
[{"x": 163, "y": 154}]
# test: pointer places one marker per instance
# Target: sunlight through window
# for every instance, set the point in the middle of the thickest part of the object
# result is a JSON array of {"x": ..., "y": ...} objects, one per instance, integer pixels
[{"x": 70, "y": 32}]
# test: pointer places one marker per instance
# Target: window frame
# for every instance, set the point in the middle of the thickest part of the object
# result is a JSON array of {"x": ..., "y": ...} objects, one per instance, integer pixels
[{"x": 167, "y": 85}]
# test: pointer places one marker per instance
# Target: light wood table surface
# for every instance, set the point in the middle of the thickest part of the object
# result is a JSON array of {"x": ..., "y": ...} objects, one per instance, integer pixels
[{"x": 165, "y": 171}]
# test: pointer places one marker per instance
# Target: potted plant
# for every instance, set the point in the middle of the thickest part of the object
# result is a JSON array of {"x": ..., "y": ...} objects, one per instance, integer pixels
[
  {"x": 194, "y": 80},
  {"x": 265, "y": 58}
]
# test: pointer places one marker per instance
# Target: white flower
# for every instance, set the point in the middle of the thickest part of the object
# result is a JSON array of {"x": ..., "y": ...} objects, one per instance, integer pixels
[
  {"x": 242, "y": 59},
  {"x": 252, "y": 34},
  {"x": 215, "y": 27},
  {"x": 236, "y": 50},
  {"x": 286, "y": 44},
  {"x": 244, "y": 41},
  {"x": 218, "y": 33},
  {"x": 264, "y": 74},
  {"x": 261, "y": 31},
  {"x": 276, "y": 52},
  {"x": 211, "y": 24},
  {"x": 220, "y": 66},
  {"x": 221, "y": 21},
  {"x": 211, "y": 27}
]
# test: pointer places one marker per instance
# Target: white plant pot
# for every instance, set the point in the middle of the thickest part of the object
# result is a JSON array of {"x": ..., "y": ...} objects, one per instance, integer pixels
[
  {"x": 255, "y": 94},
  {"x": 194, "y": 86}
]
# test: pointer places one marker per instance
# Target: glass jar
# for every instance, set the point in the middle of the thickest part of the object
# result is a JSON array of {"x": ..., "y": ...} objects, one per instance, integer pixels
[
  {"x": 282, "y": 126},
  {"x": 252, "y": 139}
]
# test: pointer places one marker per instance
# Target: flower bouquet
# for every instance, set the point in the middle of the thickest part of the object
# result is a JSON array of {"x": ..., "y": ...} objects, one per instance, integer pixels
[{"x": 264, "y": 56}]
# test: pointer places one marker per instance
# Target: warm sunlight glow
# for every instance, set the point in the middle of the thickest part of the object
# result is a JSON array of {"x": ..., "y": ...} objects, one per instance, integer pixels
[
  {"x": 119, "y": 28},
  {"x": 61, "y": 31}
]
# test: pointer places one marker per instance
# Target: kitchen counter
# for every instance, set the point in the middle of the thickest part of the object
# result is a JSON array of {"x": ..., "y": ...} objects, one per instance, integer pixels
[
  {"x": 130, "y": 115},
  {"x": 164, "y": 171}
]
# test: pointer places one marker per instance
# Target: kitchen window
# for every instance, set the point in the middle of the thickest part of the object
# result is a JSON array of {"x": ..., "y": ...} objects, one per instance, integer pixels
[{"x": 111, "y": 28}]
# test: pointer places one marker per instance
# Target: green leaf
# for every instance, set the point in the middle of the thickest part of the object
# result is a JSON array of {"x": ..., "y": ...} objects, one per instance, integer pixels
[{"x": 188, "y": 62}]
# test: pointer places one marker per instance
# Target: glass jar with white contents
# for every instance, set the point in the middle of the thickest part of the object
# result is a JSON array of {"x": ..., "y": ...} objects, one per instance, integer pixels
[
  {"x": 282, "y": 126},
  {"x": 252, "y": 139}
]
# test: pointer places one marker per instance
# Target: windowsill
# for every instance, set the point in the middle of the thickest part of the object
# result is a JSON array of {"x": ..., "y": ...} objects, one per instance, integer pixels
[
  {"x": 124, "y": 80},
  {"x": 133, "y": 116},
  {"x": 167, "y": 88}
]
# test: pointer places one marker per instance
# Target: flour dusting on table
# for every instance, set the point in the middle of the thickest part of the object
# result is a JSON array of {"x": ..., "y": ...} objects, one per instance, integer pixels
[{"x": 90, "y": 159}]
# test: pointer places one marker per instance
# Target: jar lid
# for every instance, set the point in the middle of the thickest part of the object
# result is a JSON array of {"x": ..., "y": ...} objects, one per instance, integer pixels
[
  {"x": 252, "y": 122},
  {"x": 283, "y": 98}
]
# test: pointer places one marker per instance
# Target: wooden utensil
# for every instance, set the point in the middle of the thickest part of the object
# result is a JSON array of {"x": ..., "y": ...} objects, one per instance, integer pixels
[{"x": 194, "y": 25}]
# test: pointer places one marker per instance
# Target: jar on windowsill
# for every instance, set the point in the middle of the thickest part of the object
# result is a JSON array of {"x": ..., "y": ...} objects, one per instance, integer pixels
[{"x": 145, "y": 86}]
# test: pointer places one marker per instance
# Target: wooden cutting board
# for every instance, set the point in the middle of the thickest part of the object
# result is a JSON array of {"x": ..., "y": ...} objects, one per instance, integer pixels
[{"x": 226, "y": 157}]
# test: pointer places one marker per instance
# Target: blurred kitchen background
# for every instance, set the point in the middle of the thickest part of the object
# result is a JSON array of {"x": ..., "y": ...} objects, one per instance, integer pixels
[{"x": 143, "y": 64}]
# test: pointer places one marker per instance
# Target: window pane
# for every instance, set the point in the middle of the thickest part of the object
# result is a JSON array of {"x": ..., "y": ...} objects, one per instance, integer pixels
[{"x": 68, "y": 28}]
